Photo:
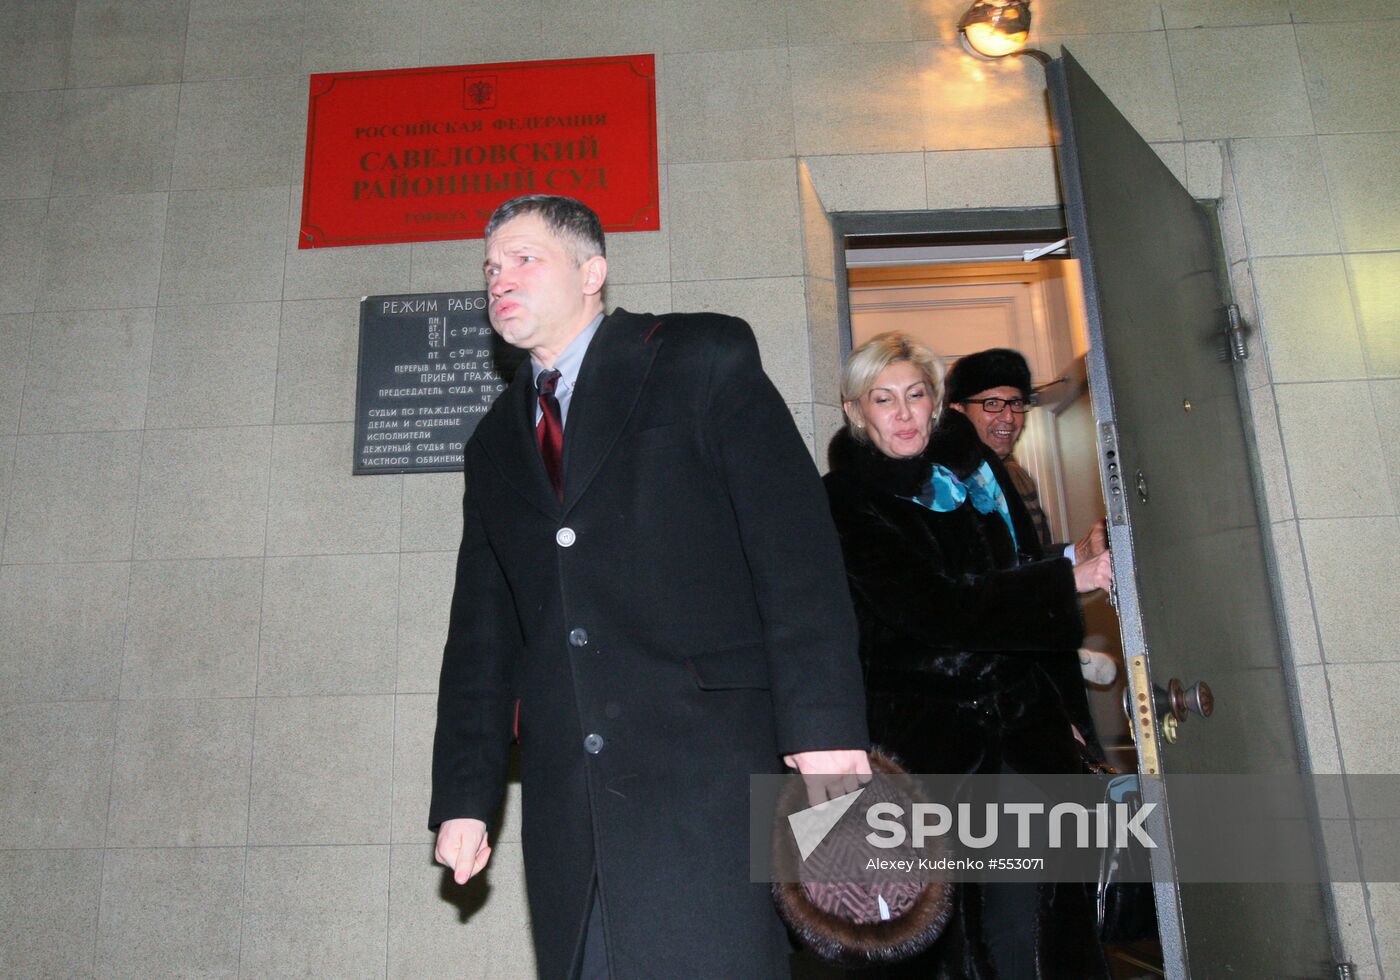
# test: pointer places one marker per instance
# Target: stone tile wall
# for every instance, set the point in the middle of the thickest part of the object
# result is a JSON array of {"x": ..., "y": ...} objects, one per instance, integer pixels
[{"x": 218, "y": 657}]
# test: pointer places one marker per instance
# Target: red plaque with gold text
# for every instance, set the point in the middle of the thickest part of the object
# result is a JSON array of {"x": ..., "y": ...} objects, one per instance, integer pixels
[{"x": 422, "y": 154}]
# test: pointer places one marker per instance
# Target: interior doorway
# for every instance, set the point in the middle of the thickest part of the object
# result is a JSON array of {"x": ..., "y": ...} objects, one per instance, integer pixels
[{"x": 964, "y": 293}]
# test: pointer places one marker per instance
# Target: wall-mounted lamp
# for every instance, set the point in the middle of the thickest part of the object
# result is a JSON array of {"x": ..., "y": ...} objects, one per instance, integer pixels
[{"x": 997, "y": 28}]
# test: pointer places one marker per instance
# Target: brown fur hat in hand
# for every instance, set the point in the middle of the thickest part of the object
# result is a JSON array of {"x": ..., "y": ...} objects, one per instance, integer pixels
[{"x": 835, "y": 913}]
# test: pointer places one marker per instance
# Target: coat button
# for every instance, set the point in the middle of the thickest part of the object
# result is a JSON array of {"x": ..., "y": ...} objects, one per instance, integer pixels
[
  {"x": 578, "y": 637},
  {"x": 565, "y": 537},
  {"x": 593, "y": 743}
]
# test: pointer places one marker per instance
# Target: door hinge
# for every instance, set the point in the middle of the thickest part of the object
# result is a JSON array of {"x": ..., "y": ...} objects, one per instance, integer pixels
[{"x": 1236, "y": 334}]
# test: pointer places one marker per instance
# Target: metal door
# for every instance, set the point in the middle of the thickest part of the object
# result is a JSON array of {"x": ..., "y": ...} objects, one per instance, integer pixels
[{"x": 1193, "y": 589}]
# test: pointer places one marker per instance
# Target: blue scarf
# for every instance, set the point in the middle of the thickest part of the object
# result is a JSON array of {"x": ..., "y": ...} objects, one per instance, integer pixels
[{"x": 944, "y": 492}]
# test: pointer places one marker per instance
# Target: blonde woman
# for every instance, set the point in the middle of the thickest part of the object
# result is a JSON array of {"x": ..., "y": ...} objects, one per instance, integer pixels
[{"x": 968, "y": 638}]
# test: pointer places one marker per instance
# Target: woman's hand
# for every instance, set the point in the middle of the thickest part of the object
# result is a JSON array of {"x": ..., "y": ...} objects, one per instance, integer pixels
[{"x": 1094, "y": 574}]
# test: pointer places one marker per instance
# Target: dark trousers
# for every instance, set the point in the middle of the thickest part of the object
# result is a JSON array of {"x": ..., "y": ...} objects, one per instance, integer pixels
[{"x": 1009, "y": 913}]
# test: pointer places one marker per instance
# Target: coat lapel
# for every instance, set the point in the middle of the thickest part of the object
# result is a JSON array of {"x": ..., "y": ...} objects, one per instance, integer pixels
[
  {"x": 614, "y": 370},
  {"x": 1027, "y": 538},
  {"x": 509, "y": 439}
]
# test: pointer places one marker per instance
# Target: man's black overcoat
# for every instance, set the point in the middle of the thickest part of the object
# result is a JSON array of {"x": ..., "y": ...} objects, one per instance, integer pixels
[{"x": 680, "y": 621}]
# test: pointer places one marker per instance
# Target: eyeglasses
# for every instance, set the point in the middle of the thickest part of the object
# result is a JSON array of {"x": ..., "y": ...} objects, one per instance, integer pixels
[{"x": 993, "y": 406}]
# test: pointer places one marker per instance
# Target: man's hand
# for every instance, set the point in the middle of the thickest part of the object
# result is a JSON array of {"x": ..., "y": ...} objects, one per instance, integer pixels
[
  {"x": 462, "y": 846},
  {"x": 1096, "y": 573},
  {"x": 1092, "y": 544},
  {"x": 830, "y": 773}
]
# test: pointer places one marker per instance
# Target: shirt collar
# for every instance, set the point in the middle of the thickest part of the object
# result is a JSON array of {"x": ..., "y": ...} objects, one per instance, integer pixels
[{"x": 570, "y": 362}]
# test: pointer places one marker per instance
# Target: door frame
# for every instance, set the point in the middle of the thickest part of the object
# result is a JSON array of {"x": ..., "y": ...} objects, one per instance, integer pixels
[{"x": 968, "y": 224}]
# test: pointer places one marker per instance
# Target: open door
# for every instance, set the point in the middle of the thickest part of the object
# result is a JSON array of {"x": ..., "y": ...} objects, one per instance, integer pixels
[{"x": 1193, "y": 593}]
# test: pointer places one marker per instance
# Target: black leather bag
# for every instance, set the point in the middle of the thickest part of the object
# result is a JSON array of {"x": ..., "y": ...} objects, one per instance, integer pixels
[{"x": 1127, "y": 911}]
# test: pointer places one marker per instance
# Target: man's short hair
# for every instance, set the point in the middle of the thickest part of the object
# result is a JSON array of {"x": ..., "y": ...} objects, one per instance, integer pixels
[
  {"x": 570, "y": 219},
  {"x": 879, "y": 352},
  {"x": 998, "y": 367}
]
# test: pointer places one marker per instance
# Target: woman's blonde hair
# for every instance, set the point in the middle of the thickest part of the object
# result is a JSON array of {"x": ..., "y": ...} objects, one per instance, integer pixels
[{"x": 879, "y": 352}]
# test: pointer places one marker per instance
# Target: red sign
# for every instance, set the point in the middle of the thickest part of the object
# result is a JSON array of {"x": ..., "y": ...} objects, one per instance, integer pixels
[{"x": 422, "y": 154}]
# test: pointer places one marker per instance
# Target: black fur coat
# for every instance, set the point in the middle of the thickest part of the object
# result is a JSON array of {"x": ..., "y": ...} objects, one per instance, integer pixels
[{"x": 968, "y": 647}]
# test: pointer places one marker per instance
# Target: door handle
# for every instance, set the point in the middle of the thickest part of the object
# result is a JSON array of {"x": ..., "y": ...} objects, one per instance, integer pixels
[
  {"x": 1179, "y": 701},
  {"x": 1175, "y": 703},
  {"x": 1200, "y": 699}
]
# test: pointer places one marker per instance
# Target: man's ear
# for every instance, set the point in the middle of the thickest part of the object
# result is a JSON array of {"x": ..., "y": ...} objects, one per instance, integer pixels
[
  {"x": 595, "y": 273},
  {"x": 958, "y": 407}
]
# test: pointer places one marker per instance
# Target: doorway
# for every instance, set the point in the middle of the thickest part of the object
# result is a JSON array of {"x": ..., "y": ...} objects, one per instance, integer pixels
[{"x": 960, "y": 293}]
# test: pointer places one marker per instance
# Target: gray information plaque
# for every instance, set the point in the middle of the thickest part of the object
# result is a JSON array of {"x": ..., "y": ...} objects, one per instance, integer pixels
[{"x": 428, "y": 371}]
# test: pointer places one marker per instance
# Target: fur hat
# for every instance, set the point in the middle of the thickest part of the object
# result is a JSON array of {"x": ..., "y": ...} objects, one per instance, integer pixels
[
  {"x": 853, "y": 922},
  {"x": 992, "y": 368}
]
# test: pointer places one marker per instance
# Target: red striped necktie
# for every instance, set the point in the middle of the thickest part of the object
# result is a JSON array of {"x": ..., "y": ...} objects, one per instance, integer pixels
[{"x": 549, "y": 432}]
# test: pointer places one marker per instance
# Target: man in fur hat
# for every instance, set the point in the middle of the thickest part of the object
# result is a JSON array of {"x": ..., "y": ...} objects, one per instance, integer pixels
[{"x": 993, "y": 389}]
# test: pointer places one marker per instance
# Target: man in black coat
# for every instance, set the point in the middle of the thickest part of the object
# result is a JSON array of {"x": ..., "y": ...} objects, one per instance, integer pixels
[
  {"x": 661, "y": 609},
  {"x": 992, "y": 388}
]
